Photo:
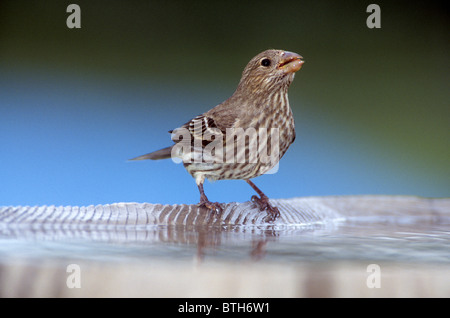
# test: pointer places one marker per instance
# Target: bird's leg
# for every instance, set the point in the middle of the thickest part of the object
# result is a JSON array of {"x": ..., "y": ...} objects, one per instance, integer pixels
[
  {"x": 204, "y": 202},
  {"x": 263, "y": 202}
]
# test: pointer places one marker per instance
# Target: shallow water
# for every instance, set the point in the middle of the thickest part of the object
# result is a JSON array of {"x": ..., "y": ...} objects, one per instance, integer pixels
[{"x": 371, "y": 239}]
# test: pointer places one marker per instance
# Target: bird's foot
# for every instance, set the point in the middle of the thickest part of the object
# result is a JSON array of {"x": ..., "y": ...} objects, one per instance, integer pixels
[
  {"x": 213, "y": 206},
  {"x": 264, "y": 205}
]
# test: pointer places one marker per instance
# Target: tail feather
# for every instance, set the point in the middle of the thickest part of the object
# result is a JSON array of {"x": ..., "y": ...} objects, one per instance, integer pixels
[{"x": 164, "y": 153}]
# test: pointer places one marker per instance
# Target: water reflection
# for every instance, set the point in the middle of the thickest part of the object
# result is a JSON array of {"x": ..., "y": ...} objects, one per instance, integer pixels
[{"x": 357, "y": 239}]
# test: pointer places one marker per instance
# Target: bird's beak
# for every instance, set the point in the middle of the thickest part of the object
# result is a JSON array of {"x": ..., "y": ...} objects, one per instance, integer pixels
[{"x": 290, "y": 62}]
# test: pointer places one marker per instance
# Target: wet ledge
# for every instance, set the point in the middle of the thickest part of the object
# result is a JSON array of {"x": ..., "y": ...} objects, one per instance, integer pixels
[
  {"x": 295, "y": 211},
  {"x": 145, "y": 222},
  {"x": 134, "y": 260}
]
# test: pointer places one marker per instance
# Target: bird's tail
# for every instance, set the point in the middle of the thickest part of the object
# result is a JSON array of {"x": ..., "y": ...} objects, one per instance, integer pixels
[{"x": 164, "y": 153}]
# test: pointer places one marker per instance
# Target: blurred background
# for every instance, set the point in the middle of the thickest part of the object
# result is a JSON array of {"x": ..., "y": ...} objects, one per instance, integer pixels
[{"x": 371, "y": 105}]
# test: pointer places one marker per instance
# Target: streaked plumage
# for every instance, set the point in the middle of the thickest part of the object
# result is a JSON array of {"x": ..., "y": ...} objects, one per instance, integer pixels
[{"x": 259, "y": 102}]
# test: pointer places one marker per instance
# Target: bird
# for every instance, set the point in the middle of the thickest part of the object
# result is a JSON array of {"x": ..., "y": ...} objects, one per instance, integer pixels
[{"x": 256, "y": 120}]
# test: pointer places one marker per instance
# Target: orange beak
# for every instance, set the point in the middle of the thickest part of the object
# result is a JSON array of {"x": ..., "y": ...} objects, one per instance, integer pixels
[{"x": 290, "y": 62}]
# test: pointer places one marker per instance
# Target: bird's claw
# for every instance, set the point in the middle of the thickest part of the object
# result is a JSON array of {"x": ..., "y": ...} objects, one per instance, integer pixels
[
  {"x": 264, "y": 205},
  {"x": 213, "y": 206}
]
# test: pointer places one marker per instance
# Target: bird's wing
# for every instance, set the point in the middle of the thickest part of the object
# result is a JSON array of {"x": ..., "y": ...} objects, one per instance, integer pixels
[
  {"x": 200, "y": 127},
  {"x": 203, "y": 126}
]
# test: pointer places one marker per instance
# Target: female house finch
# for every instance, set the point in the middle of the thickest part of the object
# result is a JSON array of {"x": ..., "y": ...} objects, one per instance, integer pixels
[{"x": 241, "y": 126}]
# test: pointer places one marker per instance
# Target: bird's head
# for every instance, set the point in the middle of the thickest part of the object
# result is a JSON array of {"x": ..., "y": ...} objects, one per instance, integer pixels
[{"x": 271, "y": 69}]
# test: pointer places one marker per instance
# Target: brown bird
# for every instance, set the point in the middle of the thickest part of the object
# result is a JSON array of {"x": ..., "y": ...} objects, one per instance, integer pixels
[{"x": 255, "y": 123}]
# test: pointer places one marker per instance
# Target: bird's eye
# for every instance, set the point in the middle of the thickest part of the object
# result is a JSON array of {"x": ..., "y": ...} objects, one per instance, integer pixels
[{"x": 265, "y": 62}]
